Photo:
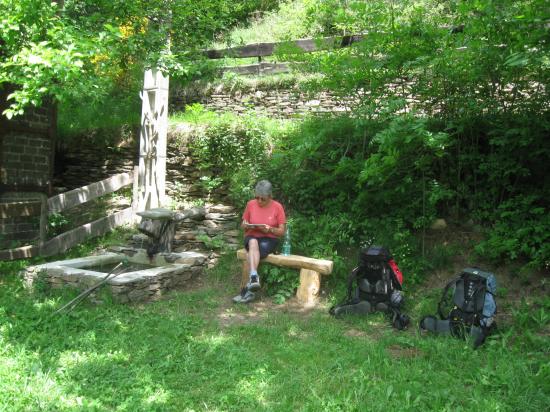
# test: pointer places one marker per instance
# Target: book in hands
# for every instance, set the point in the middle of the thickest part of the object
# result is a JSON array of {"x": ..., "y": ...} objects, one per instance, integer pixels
[{"x": 255, "y": 225}]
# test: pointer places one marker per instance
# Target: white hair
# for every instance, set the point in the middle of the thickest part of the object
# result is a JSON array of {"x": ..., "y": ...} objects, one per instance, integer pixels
[{"x": 263, "y": 188}]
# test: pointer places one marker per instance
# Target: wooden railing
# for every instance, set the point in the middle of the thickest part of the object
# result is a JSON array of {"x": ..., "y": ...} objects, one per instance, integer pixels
[
  {"x": 65, "y": 201},
  {"x": 268, "y": 49},
  {"x": 260, "y": 50}
]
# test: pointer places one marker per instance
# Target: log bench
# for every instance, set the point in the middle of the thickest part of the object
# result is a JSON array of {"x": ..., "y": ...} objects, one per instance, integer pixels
[{"x": 310, "y": 273}]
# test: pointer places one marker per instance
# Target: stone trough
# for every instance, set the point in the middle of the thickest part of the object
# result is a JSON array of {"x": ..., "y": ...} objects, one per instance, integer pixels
[{"x": 142, "y": 279}]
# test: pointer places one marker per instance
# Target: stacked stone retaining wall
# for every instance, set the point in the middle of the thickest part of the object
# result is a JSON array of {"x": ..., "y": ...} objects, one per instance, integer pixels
[
  {"x": 86, "y": 164},
  {"x": 277, "y": 102}
]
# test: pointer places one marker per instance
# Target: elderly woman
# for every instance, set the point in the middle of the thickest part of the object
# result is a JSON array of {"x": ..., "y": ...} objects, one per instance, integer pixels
[{"x": 263, "y": 222}]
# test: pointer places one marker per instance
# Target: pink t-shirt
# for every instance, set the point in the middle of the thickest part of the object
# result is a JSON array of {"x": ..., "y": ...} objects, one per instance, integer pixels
[{"x": 272, "y": 214}]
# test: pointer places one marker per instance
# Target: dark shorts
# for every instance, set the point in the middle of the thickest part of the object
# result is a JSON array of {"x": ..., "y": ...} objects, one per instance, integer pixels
[{"x": 266, "y": 244}]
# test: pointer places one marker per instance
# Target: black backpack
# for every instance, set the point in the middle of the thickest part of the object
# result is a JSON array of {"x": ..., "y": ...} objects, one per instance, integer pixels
[
  {"x": 374, "y": 285},
  {"x": 467, "y": 307}
]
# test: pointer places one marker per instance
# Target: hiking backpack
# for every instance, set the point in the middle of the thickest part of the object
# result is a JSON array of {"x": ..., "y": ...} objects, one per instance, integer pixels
[
  {"x": 467, "y": 307},
  {"x": 375, "y": 285}
]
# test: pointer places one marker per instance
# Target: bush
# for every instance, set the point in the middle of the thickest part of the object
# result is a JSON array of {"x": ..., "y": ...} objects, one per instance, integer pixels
[{"x": 521, "y": 230}]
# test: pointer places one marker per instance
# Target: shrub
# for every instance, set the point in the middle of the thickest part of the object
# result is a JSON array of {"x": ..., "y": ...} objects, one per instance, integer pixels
[{"x": 520, "y": 231}]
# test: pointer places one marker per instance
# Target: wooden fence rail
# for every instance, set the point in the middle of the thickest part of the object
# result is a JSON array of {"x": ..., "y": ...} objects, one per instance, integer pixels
[
  {"x": 92, "y": 191},
  {"x": 268, "y": 49},
  {"x": 23, "y": 208},
  {"x": 257, "y": 69},
  {"x": 64, "y": 201}
]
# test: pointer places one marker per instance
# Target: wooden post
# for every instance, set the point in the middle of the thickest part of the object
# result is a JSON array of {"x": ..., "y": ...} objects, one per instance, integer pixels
[
  {"x": 245, "y": 274},
  {"x": 152, "y": 141},
  {"x": 310, "y": 285},
  {"x": 43, "y": 218}
]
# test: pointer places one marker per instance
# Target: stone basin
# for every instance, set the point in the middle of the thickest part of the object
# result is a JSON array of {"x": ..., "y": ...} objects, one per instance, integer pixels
[{"x": 164, "y": 271}]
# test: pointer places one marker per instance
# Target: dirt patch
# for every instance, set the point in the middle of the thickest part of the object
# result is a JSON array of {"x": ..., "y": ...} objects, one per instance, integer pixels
[
  {"x": 356, "y": 333},
  {"x": 234, "y": 313},
  {"x": 396, "y": 351}
]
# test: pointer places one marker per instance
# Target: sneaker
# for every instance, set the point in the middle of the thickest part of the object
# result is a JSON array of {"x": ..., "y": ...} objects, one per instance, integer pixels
[
  {"x": 245, "y": 296},
  {"x": 254, "y": 283},
  {"x": 239, "y": 297}
]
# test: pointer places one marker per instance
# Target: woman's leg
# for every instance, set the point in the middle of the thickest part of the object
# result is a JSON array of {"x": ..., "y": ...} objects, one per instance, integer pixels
[
  {"x": 253, "y": 262},
  {"x": 253, "y": 255}
]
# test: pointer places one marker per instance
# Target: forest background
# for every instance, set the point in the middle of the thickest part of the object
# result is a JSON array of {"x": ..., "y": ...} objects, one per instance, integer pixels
[
  {"x": 451, "y": 117},
  {"x": 451, "y": 122}
]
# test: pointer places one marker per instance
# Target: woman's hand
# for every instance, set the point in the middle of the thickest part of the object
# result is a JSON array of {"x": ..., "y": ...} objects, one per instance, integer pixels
[{"x": 262, "y": 228}]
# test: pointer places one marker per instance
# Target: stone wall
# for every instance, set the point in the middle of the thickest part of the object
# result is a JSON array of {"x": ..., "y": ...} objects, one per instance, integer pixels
[
  {"x": 81, "y": 165},
  {"x": 220, "y": 222},
  {"x": 281, "y": 102},
  {"x": 85, "y": 165},
  {"x": 141, "y": 279}
]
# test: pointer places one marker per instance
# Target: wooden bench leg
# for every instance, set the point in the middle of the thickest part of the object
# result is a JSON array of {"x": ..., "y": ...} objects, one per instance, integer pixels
[
  {"x": 310, "y": 285},
  {"x": 245, "y": 273}
]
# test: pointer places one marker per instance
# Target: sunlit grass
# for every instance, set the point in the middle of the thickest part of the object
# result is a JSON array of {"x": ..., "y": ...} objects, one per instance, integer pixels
[
  {"x": 180, "y": 355},
  {"x": 288, "y": 22}
]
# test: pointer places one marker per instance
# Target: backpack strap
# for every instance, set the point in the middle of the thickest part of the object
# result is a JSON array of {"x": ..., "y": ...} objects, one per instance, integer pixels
[
  {"x": 445, "y": 298},
  {"x": 432, "y": 324},
  {"x": 349, "y": 301},
  {"x": 352, "y": 278},
  {"x": 399, "y": 320}
]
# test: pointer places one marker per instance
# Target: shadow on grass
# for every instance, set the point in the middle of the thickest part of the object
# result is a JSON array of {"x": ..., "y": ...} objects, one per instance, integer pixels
[{"x": 172, "y": 355}]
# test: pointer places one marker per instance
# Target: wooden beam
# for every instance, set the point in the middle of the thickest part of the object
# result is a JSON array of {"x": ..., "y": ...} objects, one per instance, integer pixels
[
  {"x": 86, "y": 193},
  {"x": 24, "y": 252},
  {"x": 73, "y": 237},
  {"x": 43, "y": 218},
  {"x": 309, "y": 288},
  {"x": 151, "y": 184},
  {"x": 294, "y": 261},
  {"x": 20, "y": 209},
  {"x": 268, "y": 49},
  {"x": 256, "y": 69}
]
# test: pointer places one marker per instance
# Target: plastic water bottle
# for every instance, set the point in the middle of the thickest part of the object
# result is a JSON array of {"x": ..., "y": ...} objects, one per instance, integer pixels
[{"x": 286, "y": 242}]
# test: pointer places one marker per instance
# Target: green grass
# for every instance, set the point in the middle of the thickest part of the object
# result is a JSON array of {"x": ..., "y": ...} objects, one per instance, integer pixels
[
  {"x": 196, "y": 114},
  {"x": 196, "y": 351},
  {"x": 286, "y": 23}
]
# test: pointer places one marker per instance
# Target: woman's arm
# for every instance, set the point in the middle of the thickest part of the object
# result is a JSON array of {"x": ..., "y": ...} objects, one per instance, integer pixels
[{"x": 276, "y": 230}]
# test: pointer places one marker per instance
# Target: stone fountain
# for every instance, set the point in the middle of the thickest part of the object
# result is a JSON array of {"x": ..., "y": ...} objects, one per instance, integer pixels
[{"x": 149, "y": 272}]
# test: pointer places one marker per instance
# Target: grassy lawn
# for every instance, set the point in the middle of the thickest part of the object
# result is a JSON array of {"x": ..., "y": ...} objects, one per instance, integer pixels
[{"x": 196, "y": 351}]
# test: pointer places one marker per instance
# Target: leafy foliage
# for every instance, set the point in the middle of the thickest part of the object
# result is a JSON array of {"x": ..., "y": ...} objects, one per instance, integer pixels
[
  {"x": 85, "y": 49},
  {"x": 57, "y": 224},
  {"x": 234, "y": 150},
  {"x": 280, "y": 283},
  {"x": 520, "y": 229},
  {"x": 449, "y": 120}
]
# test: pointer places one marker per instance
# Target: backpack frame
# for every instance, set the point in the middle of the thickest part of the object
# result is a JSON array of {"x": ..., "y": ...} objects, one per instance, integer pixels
[
  {"x": 467, "y": 307},
  {"x": 374, "y": 285}
]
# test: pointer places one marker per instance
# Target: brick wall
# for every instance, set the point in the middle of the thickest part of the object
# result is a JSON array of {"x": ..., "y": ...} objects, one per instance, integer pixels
[
  {"x": 26, "y": 168},
  {"x": 26, "y": 159}
]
